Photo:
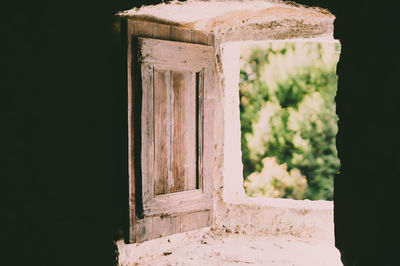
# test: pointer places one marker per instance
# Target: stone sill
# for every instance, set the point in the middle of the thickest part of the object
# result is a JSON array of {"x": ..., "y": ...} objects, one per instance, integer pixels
[
  {"x": 267, "y": 216},
  {"x": 285, "y": 203},
  {"x": 247, "y": 219}
]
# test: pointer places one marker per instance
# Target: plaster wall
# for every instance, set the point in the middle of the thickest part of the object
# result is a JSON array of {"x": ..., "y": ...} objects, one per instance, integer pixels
[
  {"x": 266, "y": 20},
  {"x": 234, "y": 211}
]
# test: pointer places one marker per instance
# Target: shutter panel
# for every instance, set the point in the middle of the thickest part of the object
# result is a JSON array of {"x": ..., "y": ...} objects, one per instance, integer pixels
[{"x": 173, "y": 193}]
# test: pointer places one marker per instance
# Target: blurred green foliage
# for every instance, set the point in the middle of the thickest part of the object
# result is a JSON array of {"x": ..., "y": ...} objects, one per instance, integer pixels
[
  {"x": 287, "y": 112},
  {"x": 276, "y": 181}
]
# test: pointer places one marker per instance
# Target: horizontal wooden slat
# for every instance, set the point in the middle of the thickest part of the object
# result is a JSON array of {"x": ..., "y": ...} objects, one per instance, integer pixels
[
  {"x": 163, "y": 225},
  {"x": 200, "y": 37},
  {"x": 181, "y": 34},
  {"x": 178, "y": 202},
  {"x": 162, "y": 32},
  {"x": 177, "y": 54},
  {"x": 140, "y": 28}
]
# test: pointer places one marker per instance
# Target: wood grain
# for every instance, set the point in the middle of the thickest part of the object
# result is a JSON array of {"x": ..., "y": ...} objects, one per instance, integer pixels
[
  {"x": 208, "y": 156},
  {"x": 162, "y": 124},
  {"x": 181, "y": 34},
  {"x": 175, "y": 54},
  {"x": 199, "y": 37},
  {"x": 177, "y": 131},
  {"x": 152, "y": 227},
  {"x": 140, "y": 28},
  {"x": 190, "y": 162},
  {"x": 190, "y": 200},
  {"x": 148, "y": 146},
  {"x": 162, "y": 32}
]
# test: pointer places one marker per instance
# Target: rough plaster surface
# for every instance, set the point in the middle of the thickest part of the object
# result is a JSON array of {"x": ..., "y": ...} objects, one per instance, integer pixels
[
  {"x": 256, "y": 231},
  {"x": 258, "y": 216},
  {"x": 213, "y": 247},
  {"x": 267, "y": 220},
  {"x": 189, "y": 12},
  {"x": 233, "y": 166},
  {"x": 241, "y": 20}
]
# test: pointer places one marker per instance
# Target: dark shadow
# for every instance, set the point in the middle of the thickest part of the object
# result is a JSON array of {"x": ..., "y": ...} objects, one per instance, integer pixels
[
  {"x": 64, "y": 142},
  {"x": 137, "y": 129},
  {"x": 367, "y": 141}
]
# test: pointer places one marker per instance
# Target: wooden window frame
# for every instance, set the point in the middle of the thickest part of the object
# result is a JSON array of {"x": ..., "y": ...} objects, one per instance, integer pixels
[{"x": 191, "y": 208}]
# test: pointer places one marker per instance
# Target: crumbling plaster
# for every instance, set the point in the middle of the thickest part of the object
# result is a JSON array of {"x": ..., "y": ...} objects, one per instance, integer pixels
[
  {"x": 231, "y": 22},
  {"x": 240, "y": 20}
]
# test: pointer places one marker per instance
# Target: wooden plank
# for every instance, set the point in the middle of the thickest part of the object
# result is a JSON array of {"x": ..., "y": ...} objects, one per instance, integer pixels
[
  {"x": 163, "y": 225},
  {"x": 149, "y": 30},
  {"x": 178, "y": 224},
  {"x": 147, "y": 133},
  {"x": 183, "y": 127},
  {"x": 162, "y": 126},
  {"x": 175, "y": 54},
  {"x": 200, "y": 37},
  {"x": 143, "y": 229},
  {"x": 200, "y": 125},
  {"x": 177, "y": 131},
  {"x": 186, "y": 222},
  {"x": 199, "y": 219},
  {"x": 152, "y": 227},
  {"x": 131, "y": 29},
  {"x": 190, "y": 131},
  {"x": 195, "y": 220},
  {"x": 168, "y": 32},
  {"x": 178, "y": 202},
  {"x": 143, "y": 29},
  {"x": 181, "y": 34},
  {"x": 131, "y": 172},
  {"x": 162, "y": 32},
  {"x": 208, "y": 130}
]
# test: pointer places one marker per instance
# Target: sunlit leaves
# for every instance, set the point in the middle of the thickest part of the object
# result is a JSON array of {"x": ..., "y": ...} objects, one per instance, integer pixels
[
  {"x": 276, "y": 181},
  {"x": 287, "y": 107}
]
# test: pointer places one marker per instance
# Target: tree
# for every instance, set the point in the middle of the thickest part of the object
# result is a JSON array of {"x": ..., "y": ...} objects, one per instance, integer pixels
[{"x": 288, "y": 111}]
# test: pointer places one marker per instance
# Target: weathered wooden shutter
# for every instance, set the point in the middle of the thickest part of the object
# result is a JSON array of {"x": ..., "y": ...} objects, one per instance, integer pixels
[{"x": 172, "y": 192}]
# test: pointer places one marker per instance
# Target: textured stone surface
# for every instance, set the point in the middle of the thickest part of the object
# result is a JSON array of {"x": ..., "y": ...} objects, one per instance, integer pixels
[
  {"x": 216, "y": 247},
  {"x": 241, "y": 20},
  {"x": 231, "y": 23},
  {"x": 258, "y": 216}
]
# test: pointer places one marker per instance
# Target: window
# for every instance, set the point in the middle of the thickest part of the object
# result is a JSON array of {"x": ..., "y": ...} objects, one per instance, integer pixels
[
  {"x": 289, "y": 124},
  {"x": 172, "y": 92}
]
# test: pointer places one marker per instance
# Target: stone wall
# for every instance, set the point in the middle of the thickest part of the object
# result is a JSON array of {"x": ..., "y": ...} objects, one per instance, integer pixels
[{"x": 231, "y": 23}]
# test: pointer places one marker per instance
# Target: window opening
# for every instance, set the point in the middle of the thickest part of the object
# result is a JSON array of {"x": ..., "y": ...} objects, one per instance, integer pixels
[{"x": 288, "y": 118}]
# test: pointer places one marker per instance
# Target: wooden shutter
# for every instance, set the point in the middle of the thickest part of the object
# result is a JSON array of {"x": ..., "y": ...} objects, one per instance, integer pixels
[{"x": 171, "y": 189}]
